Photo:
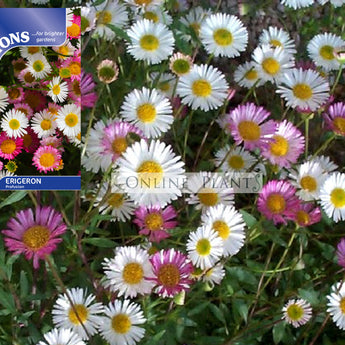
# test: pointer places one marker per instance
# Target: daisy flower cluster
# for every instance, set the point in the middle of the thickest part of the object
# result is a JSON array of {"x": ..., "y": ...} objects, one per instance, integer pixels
[{"x": 40, "y": 107}]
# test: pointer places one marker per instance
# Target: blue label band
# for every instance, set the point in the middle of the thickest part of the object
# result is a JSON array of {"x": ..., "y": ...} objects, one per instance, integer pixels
[
  {"x": 31, "y": 27},
  {"x": 40, "y": 183}
]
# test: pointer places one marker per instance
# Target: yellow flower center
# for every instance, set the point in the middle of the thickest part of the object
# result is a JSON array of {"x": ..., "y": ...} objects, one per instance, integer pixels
[
  {"x": 63, "y": 50},
  {"x": 56, "y": 89},
  {"x": 71, "y": 120},
  {"x": 302, "y": 91},
  {"x": 181, "y": 66},
  {"x": 154, "y": 221},
  {"x": 74, "y": 30},
  {"x": 82, "y": 313},
  {"x": 251, "y": 74},
  {"x": 119, "y": 145},
  {"x": 133, "y": 273},
  {"x": 195, "y": 27},
  {"x": 280, "y": 146},
  {"x": 236, "y": 162},
  {"x": 276, "y": 203},
  {"x": 121, "y": 323},
  {"x": 208, "y": 197},
  {"x": 327, "y": 52},
  {"x": 8, "y": 146},
  {"x": 223, "y": 37},
  {"x": 28, "y": 77},
  {"x": 150, "y": 174},
  {"x": 151, "y": 16},
  {"x": 64, "y": 72},
  {"x": 46, "y": 124},
  {"x": 249, "y": 130},
  {"x": 146, "y": 113},
  {"x": 149, "y": 42},
  {"x": 33, "y": 50},
  {"x": 203, "y": 247},
  {"x": 275, "y": 43},
  {"x": 84, "y": 23},
  {"x": 11, "y": 166},
  {"x": 308, "y": 183},
  {"x": 14, "y": 124},
  {"x": 104, "y": 17},
  {"x": 222, "y": 228},
  {"x": 36, "y": 237},
  {"x": 342, "y": 305},
  {"x": 339, "y": 124},
  {"x": 164, "y": 86},
  {"x": 168, "y": 275},
  {"x": 201, "y": 88},
  {"x": 143, "y": 2},
  {"x": 271, "y": 66},
  {"x": 302, "y": 217},
  {"x": 38, "y": 66},
  {"x": 115, "y": 200},
  {"x": 338, "y": 197},
  {"x": 14, "y": 93},
  {"x": 47, "y": 159},
  {"x": 295, "y": 312},
  {"x": 75, "y": 68}
]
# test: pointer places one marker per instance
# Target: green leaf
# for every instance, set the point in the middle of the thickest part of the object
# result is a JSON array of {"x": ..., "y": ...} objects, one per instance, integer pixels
[
  {"x": 278, "y": 332},
  {"x": 6, "y": 300},
  {"x": 310, "y": 296},
  {"x": 100, "y": 242},
  {"x": 241, "y": 308},
  {"x": 119, "y": 32},
  {"x": 24, "y": 285},
  {"x": 217, "y": 313},
  {"x": 248, "y": 218},
  {"x": 13, "y": 198}
]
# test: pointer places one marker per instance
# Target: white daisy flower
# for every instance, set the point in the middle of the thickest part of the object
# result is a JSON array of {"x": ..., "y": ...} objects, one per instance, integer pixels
[
  {"x": 65, "y": 51},
  {"x": 326, "y": 164},
  {"x": 156, "y": 14},
  {"x": 151, "y": 174},
  {"x": 149, "y": 110},
  {"x": 112, "y": 13},
  {"x": 204, "y": 247},
  {"x": 88, "y": 18},
  {"x": 143, "y": 4},
  {"x": 128, "y": 271},
  {"x": 336, "y": 304},
  {"x": 332, "y": 196},
  {"x": 204, "y": 87},
  {"x": 308, "y": 180},
  {"x": 223, "y": 35},
  {"x": 277, "y": 37},
  {"x": 246, "y": 75},
  {"x": 75, "y": 140},
  {"x": 119, "y": 327},
  {"x": 26, "y": 51},
  {"x": 228, "y": 224},
  {"x": 114, "y": 202},
  {"x": 320, "y": 50},
  {"x": 61, "y": 337},
  {"x": 296, "y": 4},
  {"x": 214, "y": 275},
  {"x": 208, "y": 190},
  {"x": 193, "y": 20},
  {"x": 271, "y": 63},
  {"x": 3, "y": 99},
  {"x": 14, "y": 123},
  {"x": 304, "y": 89},
  {"x": 38, "y": 66},
  {"x": 81, "y": 316},
  {"x": 235, "y": 159},
  {"x": 68, "y": 119},
  {"x": 43, "y": 124},
  {"x": 163, "y": 82},
  {"x": 297, "y": 312},
  {"x": 58, "y": 90},
  {"x": 152, "y": 42}
]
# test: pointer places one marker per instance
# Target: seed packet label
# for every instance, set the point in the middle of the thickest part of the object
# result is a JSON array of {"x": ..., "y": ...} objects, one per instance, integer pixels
[
  {"x": 31, "y": 27},
  {"x": 40, "y": 183}
]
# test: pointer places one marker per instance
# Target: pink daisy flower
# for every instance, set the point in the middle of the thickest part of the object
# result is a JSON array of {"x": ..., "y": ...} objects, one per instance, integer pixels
[
  {"x": 15, "y": 94},
  {"x": 25, "y": 109},
  {"x": 27, "y": 78},
  {"x": 35, "y": 100},
  {"x": 53, "y": 108},
  {"x": 34, "y": 235},
  {"x": 74, "y": 91},
  {"x": 154, "y": 221},
  {"x": 73, "y": 31},
  {"x": 10, "y": 147},
  {"x": 277, "y": 201},
  {"x": 307, "y": 214},
  {"x": 18, "y": 66},
  {"x": 341, "y": 252},
  {"x": 245, "y": 123},
  {"x": 1, "y": 165},
  {"x": 87, "y": 87},
  {"x": 115, "y": 139},
  {"x": 46, "y": 158},
  {"x": 172, "y": 270},
  {"x": 74, "y": 65},
  {"x": 30, "y": 141},
  {"x": 287, "y": 145},
  {"x": 335, "y": 118},
  {"x": 54, "y": 142}
]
